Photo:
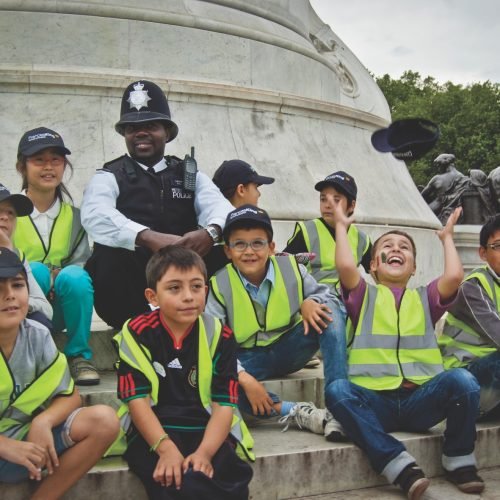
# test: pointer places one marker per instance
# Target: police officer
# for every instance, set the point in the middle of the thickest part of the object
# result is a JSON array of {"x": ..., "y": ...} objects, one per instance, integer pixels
[{"x": 143, "y": 201}]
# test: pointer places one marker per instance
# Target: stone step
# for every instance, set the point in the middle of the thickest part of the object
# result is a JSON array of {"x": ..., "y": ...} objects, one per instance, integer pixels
[
  {"x": 439, "y": 489},
  {"x": 304, "y": 385},
  {"x": 295, "y": 464}
]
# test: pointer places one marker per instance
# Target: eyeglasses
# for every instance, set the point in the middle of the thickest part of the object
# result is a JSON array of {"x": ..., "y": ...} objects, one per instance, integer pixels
[
  {"x": 241, "y": 246},
  {"x": 53, "y": 162},
  {"x": 494, "y": 246}
]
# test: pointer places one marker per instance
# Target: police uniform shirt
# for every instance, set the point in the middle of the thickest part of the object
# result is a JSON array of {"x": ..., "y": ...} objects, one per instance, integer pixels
[
  {"x": 108, "y": 226},
  {"x": 176, "y": 364}
]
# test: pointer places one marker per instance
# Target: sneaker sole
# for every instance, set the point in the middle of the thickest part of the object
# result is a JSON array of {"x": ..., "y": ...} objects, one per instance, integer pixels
[
  {"x": 336, "y": 437},
  {"x": 472, "y": 487},
  {"x": 418, "y": 488}
]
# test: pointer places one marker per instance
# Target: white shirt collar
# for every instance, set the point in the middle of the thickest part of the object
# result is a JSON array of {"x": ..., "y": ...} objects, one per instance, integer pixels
[{"x": 161, "y": 165}]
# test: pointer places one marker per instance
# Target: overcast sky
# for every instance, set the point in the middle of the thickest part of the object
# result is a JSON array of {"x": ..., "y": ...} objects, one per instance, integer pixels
[{"x": 457, "y": 40}]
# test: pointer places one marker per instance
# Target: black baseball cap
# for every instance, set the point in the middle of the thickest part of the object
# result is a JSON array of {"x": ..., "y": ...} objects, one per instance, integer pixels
[
  {"x": 38, "y": 139},
  {"x": 10, "y": 264},
  {"x": 22, "y": 204},
  {"x": 244, "y": 214},
  {"x": 407, "y": 139},
  {"x": 144, "y": 101},
  {"x": 234, "y": 172},
  {"x": 341, "y": 180}
]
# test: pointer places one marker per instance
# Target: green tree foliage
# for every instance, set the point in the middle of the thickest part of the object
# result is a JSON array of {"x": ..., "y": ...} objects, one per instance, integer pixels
[{"x": 468, "y": 117}]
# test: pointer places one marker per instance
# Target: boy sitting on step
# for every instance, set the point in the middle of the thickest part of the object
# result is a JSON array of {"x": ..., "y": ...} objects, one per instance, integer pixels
[
  {"x": 177, "y": 374},
  {"x": 397, "y": 380},
  {"x": 279, "y": 314},
  {"x": 471, "y": 336},
  {"x": 42, "y": 426}
]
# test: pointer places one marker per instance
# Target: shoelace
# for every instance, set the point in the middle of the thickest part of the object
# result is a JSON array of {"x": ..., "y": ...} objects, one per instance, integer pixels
[{"x": 294, "y": 415}]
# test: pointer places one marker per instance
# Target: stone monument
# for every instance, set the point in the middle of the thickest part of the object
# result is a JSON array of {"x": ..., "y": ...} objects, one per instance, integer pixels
[{"x": 264, "y": 81}]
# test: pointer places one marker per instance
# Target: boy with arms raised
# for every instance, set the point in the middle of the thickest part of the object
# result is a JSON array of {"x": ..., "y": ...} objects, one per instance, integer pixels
[
  {"x": 177, "y": 373},
  {"x": 41, "y": 423},
  {"x": 471, "y": 336},
  {"x": 279, "y": 314},
  {"x": 396, "y": 375}
]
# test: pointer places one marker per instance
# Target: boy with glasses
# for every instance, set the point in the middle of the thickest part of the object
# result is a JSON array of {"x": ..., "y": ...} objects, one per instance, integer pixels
[
  {"x": 471, "y": 336},
  {"x": 279, "y": 314}
]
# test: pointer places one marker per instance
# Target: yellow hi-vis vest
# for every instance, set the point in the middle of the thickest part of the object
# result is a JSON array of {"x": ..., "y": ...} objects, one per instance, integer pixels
[
  {"x": 283, "y": 307},
  {"x": 55, "y": 380},
  {"x": 320, "y": 241},
  {"x": 459, "y": 343},
  {"x": 391, "y": 345},
  {"x": 138, "y": 356},
  {"x": 67, "y": 233}
]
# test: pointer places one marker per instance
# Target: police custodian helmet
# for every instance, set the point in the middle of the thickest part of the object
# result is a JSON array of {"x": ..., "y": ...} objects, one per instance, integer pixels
[{"x": 144, "y": 101}]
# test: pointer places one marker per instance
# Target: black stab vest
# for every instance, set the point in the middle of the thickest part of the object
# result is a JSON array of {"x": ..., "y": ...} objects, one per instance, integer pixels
[{"x": 157, "y": 201}]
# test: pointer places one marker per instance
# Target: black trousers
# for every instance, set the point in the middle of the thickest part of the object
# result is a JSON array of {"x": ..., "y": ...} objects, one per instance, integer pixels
[
  {"x": 231, "y": 474},
  {"x": 119, "y": 280}
]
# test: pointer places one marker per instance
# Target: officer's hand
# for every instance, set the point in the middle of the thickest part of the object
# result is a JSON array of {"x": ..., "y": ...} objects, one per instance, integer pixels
[
  {"x": 198, "y": 240},
  {"x": 154, "y": 240}
]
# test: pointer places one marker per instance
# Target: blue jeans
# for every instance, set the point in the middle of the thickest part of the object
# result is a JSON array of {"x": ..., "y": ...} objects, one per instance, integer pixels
[
  {"x": 73, "y": 305},
  {"x": 293, "y": 350},
  {"x": 13, "y": 473},
  {"x": 487, "y": 372},
  {"x": 368, "y": 416}
]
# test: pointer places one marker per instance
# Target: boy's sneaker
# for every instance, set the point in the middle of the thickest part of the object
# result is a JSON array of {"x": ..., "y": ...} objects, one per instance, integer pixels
[
  {"x": 306, "y": 416},
  {"x": 466, "y": 479},
  {"x": 333, "y": 430},
  {"x": 83, "y": 371},
  {"x": 313, "y": 362},
  {"x": 412, "y": 481}
]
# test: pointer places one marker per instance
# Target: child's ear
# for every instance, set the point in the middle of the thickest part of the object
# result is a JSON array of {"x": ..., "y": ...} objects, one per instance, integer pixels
[
  {"x": 227, "y": 251},
  {"x": 272, "y": 247},
  {"x": 482, "y": 254},
  {"x": 151, "y": 296}
]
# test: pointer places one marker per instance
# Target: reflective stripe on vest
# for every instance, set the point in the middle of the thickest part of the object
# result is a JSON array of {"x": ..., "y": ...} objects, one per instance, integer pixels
[
  {"x": 65, "y": 236},
  {"x": 319, "y": 240},
  {"x": 139, "y": 357},
  {"x": 391, "y": 345},
  {"x": 283, "y": 306},
  {"x": 16, "y": 418},
  {"x": 459, "y": 343}
]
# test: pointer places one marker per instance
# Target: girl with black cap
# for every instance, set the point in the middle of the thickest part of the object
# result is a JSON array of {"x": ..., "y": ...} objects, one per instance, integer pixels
[{"x": 56, "y": 244}]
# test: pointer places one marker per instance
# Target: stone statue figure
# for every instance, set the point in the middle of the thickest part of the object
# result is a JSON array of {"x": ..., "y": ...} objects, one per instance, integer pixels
[
  {"x": 444, "y": 190},
  {"x": 494, "y": 185},
  {"x": 478, "y": 194}
]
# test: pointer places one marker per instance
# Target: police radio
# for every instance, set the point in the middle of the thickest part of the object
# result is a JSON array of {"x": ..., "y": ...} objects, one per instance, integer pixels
[{"x": 190, "y": 169}]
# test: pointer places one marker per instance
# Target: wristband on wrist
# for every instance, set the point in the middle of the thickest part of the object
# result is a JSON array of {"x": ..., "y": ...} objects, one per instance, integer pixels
[{"x": 154, "y": 447}]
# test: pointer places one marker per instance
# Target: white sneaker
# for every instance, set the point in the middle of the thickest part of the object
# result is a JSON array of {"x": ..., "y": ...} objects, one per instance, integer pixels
[
  {"x": 306, "y": 416},
  {"x": 333, "y": 429}
]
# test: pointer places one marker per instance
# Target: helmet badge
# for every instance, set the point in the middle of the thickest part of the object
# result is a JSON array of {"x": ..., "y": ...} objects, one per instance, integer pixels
[{"x": 138, "y": 97}]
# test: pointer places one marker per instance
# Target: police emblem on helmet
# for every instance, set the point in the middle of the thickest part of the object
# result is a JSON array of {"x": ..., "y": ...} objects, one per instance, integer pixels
[
  {"x": 144, "y": 101},
  {"x": 138, "y": 97}
]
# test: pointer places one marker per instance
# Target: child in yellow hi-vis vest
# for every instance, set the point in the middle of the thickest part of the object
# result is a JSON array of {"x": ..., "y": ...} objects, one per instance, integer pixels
[
  {"x": 397, "y": 380},
  {"x": 43, "y": 429},
  {"x": 177, "y": 373}
]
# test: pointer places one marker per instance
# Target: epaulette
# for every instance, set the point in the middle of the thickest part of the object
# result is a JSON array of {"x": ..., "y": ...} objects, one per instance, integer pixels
[{"x": 110, "y": 163}]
